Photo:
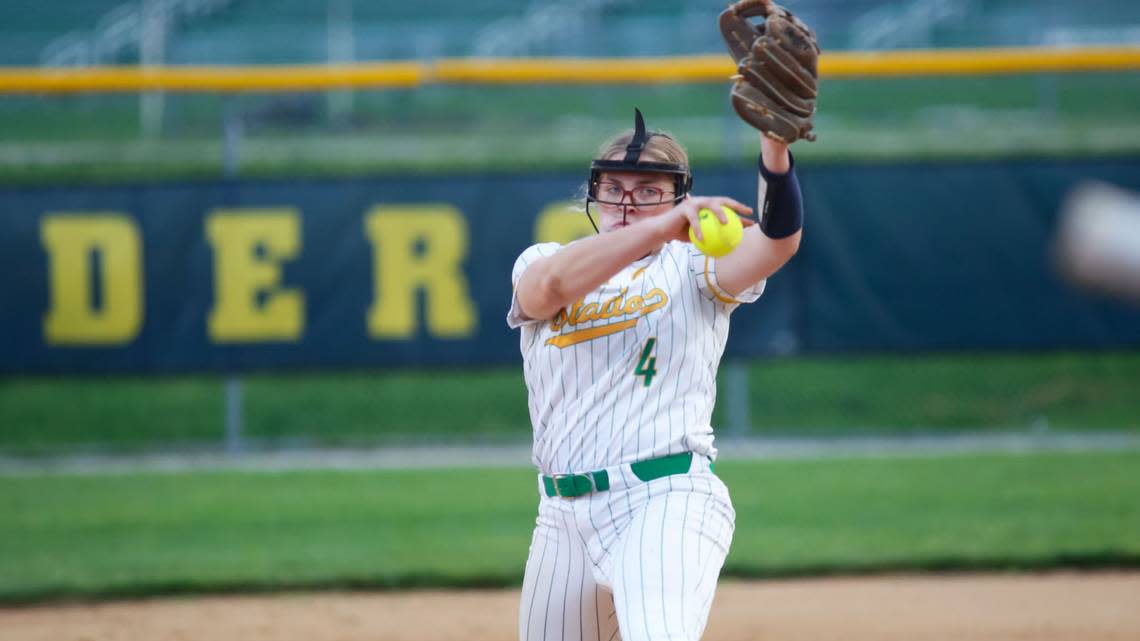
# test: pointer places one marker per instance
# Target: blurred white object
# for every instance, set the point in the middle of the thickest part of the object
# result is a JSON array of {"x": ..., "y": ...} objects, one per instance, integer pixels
[{"x": 1098, "y": 241}]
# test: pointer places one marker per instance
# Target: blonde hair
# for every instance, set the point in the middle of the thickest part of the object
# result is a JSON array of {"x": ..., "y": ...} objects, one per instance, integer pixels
[{"x": 661, "y": 147}]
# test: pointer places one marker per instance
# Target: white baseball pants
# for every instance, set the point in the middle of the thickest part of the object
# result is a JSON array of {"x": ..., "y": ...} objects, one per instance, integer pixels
[{"x": 638, "y": 562}]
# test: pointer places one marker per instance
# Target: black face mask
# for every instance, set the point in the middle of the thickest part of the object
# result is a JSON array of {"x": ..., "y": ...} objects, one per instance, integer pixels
[{"x": 682, "y": 179}]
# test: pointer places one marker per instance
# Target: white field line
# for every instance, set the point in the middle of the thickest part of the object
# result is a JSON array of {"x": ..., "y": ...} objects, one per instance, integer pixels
[{"x": 476, "y": 456}]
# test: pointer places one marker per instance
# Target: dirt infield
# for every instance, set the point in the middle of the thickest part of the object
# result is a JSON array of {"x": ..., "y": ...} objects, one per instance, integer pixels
[{"x": 1045, "y": 607}]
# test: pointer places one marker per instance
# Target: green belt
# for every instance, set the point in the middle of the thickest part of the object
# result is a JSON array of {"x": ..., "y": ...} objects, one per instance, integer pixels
[{"x": 571, "y": 485}]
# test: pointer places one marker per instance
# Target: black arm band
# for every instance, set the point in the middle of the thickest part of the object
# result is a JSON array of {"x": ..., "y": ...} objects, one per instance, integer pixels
[{"x": 781, "y": 203}]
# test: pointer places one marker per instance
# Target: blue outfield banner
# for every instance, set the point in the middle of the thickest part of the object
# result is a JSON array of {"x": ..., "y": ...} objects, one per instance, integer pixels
[{"x": 415, "y": 270}]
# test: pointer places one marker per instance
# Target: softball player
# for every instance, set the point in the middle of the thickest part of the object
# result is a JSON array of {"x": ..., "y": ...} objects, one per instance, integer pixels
[{"x": 622, "y": 334}]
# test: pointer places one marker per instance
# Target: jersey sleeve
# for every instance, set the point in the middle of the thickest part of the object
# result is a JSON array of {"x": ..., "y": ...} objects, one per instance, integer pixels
[
  {"x": 515, "y": 316},
  {"x": 703, "y": 269}
]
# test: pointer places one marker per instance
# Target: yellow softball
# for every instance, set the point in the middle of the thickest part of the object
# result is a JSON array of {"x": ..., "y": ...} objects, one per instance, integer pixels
[{"x": 719, "y": 238}]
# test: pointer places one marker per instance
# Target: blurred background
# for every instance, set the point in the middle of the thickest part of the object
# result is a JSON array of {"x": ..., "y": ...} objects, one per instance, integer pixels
[
  {"x": 513, "y": 125},
  {"x": 196, "y": 277}
]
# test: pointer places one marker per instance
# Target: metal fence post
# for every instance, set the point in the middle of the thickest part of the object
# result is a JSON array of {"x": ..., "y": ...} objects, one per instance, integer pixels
[
  {"x": 231, "y": 141},
  {"x": 152, "y": 53},
  {"x": 341, "y": 49},
  {"x": 737, "y": 404},
  {"x": 233, "y": 419},
  {"x": 1048, "y": 99},
  {"x": 232, "y": 132}
]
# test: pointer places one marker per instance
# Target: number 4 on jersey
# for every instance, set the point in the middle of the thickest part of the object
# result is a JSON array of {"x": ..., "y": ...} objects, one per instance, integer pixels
[{"x": 647, "y": 366}]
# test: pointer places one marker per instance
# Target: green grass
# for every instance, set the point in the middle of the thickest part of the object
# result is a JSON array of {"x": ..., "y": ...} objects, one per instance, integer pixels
[
  {"x": 801, "y": 396},
  {"x": 133, "y": 535},
  {"x": 1067, "y": 391},
  {"x": 953, "y": 513}
]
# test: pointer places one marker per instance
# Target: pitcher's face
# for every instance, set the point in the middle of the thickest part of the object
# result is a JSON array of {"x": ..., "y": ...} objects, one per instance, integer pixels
[{"x": 628, "y": 198}]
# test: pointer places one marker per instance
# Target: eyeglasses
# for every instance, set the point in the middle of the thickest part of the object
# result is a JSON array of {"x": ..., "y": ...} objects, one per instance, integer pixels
[{"x": 611, "y": 193}]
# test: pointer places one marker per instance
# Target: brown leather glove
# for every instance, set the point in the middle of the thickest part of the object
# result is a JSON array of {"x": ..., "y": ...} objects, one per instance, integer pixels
[{"x": 777, "y": 78}]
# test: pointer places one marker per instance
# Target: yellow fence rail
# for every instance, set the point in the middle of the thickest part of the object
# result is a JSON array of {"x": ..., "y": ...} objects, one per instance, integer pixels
[{"x": 680, "y": 69}]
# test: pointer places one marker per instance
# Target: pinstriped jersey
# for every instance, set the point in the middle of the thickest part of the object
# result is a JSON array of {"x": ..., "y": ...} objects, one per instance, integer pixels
[{"x": 628, "y": 372}]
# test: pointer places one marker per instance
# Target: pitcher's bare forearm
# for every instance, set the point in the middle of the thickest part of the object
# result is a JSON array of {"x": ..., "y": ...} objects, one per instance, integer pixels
[
  {"x": 775, "y": 155},
  {"x": 556, "y": 281}
]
